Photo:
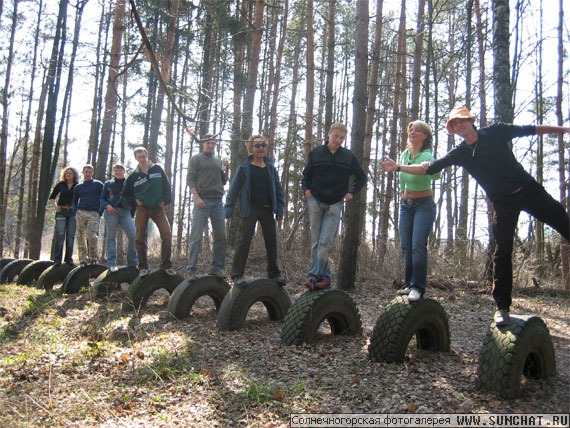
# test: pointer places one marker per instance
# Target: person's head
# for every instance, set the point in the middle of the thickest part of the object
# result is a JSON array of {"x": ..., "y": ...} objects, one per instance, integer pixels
[
  {"x": 257, "y": 145},
  {"x": 418, "y": 130},
  {"x": 141, "y": 155},
  {"x": 337, "y": 135},
  {"x": 459, "y": 115},
  {"x": 208, "y": 143},
  {"x": 87, "y": 172},
  {"x": 119, "y": 171},
  {"x": 70, "y": 175}
]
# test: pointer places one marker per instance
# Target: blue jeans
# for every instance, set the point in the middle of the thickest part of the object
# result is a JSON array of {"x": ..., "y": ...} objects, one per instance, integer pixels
[
  {"x": 112, "y": 222},
  {"x": 214, "y": 210},
  {"x": 324, "y": 220},
  {"x": 64, "y": 232},
  {"x": 416, "y": 221}
]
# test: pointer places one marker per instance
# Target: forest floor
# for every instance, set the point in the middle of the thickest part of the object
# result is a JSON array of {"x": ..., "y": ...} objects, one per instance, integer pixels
[{"x": 77, "y": 361}]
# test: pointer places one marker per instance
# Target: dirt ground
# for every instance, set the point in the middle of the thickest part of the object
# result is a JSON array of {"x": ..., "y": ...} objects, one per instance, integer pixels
[{"x": 78, "y": 361}]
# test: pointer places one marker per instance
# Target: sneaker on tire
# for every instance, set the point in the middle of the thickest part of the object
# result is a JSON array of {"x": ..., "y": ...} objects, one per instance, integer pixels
[
  {"x": 310, "y": 283},
  {"x": 323, "y": 283},
  {"x": 414, "y": 295},
  {"x": 404, "y": 291},
  {"x": 143, "y": 272},
  {"x": 169, "y": 272},
  {"x": 217, "y": 272},
  {"x": 279, "y": 280},
  {"x": 501, "y": 317}
]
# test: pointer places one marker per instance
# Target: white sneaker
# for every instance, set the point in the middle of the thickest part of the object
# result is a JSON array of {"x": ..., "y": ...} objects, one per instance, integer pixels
[
  {"x": 404, "y": 291},
  {"x": 170, "y": 272},
  {"x": 143, "y": 272},
  {"x": 501, "y": 317},
  {"x": 414, "y": 295},
  {"x": 114, "y": 268}
]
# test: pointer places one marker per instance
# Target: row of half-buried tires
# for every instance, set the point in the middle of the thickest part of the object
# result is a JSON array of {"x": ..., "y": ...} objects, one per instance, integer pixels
[{"x": 523, "y": 348}]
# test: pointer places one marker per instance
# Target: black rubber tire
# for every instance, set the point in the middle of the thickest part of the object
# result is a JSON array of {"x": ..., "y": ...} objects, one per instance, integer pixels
[
  {"x": 79, "y": 277},
  {"x": 401, "y": 319},
  {"x": 521, "y": 348},
  {"x": 238, "y": 301},
  {"x": 13, "y": 269},
  {"x": 32, "y": 272},
  {"x": 53, "y": 275},
  {"x": 109, "y": 281},
  {"x": 5, "y": 261},
  {"x": 312, "y": 308},
  {"x": 187, "y": 292},
  {"x": 142, "y": 288}
]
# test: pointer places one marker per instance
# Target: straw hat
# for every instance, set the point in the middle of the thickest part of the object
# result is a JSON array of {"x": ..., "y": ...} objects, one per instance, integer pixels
[{"x": 460, "y": 112}]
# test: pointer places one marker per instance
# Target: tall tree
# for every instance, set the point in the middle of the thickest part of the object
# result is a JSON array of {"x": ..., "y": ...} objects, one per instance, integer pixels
[
  {"x": 110, "y": 110},
  {"x": 504, "y": 111},
  {"x": 4, "y": 128},
  {"x": 310, "y": 86},
  {"x": 49, "y": 158},
  {"x": 562, "y": 161},
  {"x": 353, "y": 221}
]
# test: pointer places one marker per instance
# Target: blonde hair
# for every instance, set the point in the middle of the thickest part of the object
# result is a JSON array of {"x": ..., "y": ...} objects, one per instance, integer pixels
[
  {"x": 338, "y": 125},
  {"x": 140, "y": 149},
  {"x": 250, "y": 142},
  {"x": 422, "y": 126}
]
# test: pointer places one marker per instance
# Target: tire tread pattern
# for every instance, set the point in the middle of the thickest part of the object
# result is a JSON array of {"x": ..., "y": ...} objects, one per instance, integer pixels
[
  {"x": 506, "y": 351},
  {"x": 312, "y": 308}
]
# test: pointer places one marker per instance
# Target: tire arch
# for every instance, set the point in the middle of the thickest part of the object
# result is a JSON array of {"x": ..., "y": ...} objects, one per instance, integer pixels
[
  {"x": 187, "y": 292},
  {"x": 237, "y": 302},
  {"x": 53, "y": 275},
  {"x": 399, "y": 322},
  {"x": 79, "y": 277},
  {"x": 32, "y": 272},
  {"x": 312, "y": 308},
  {"x": 521, "y": 348},
  {"x": 12, "y": 269},
  {"x": 143, "y": 287}
]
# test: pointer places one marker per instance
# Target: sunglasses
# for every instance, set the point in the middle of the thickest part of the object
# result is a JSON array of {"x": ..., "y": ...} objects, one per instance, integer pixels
[{"x": 260, "y": 145}]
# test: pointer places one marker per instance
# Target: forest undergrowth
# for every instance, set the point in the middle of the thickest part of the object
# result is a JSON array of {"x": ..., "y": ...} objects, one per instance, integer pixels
[{"x": 74, "y": 360}]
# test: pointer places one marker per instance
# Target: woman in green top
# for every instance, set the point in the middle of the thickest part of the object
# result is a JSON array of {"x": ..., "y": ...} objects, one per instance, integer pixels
[{"x": 417, "y": 210}]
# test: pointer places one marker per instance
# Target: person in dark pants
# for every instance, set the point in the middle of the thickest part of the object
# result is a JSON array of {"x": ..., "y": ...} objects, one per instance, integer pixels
[
  {"x": 65, "y": 224},
  {"x": 486, "y": 155},
  {"x": 148, "y": 189},
  {"x": 261, "y": 199}
]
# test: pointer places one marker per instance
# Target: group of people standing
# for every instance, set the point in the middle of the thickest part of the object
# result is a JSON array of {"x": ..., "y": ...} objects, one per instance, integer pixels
[{"x": 332, "y": 176}]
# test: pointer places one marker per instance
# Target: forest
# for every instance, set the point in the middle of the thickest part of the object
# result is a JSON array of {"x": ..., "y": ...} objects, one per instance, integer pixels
[{"x": 87, "y": 81}]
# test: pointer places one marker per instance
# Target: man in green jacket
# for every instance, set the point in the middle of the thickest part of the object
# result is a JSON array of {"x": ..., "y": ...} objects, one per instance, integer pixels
[{"x": 149, "y": 189}]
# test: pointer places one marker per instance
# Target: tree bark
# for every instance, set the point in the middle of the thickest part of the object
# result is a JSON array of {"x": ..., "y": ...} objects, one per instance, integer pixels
[{"x": 354, "y": 220}]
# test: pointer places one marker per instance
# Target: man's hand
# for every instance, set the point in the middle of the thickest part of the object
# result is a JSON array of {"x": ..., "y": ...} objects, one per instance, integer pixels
[
  {"x": 198, "y": 201},
  {"x": 111, "y": 210},
  {"x": 348, "y": 196}
]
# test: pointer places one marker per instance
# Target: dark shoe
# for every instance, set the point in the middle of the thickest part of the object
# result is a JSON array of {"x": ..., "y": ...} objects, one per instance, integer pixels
[
  {"x": 310, "y": 283},
  {"x": 57, "y": 263},
  {"x": 69, "y": 262},
  {"x": 190, "y": 275},
  {"x": 169, "y": 271},
  {"x": 323, "y": 283},
  {"x": 501, "y": 317},
  {"x": 85, "y": 262},
  {"x": 279, "y": 280},
  {"x": 217, "y": 272}
]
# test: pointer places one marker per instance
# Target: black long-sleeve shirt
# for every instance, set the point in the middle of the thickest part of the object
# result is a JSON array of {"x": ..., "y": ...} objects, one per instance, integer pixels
[{"x": 490, "y": 160}]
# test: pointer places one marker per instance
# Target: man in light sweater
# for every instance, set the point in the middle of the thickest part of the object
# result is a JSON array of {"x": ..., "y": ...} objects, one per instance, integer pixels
[
  {"x": 86, "y": 205},
  {"x": 206, "y": 179}
]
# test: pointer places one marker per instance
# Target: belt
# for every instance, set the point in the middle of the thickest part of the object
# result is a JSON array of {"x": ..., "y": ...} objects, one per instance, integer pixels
[{"x": 411, "y": 201}]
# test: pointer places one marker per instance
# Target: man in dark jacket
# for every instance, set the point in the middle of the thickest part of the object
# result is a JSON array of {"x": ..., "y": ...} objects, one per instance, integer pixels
[
  {"x": 88, "y": 213},
  {"x": 117, "y": 212},
  {"x": 326, "y": 181},
  {"x": 148, "y": 189}
]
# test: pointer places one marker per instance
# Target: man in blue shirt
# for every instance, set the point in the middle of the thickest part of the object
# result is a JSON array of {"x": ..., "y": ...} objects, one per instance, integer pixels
[{"x": 86, "y": 204}]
